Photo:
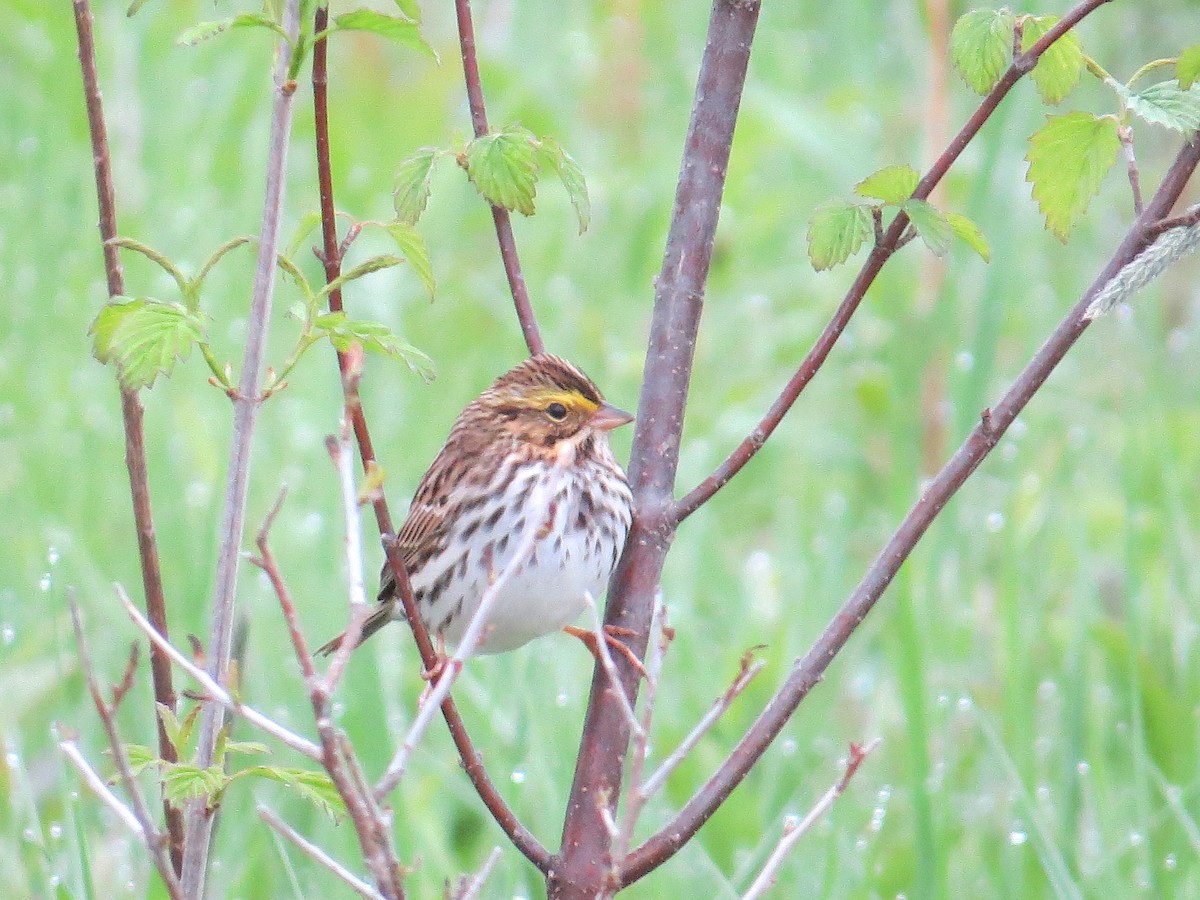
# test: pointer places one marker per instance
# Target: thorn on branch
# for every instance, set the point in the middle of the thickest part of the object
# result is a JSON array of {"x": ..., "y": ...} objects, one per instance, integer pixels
[{"x": 123, "y": 687}]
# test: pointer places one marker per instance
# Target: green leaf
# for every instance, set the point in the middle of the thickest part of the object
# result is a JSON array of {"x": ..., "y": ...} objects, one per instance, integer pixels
[
  {"x": 933, "y": 227},
  {"x": 1068, "y": 159},
  {"x": 891, "y": 184},
  {"x": 246, "y": 747},
  {"x": 343, "y": 332},
  {"x": 1187, "y": 68},
  {"x": 1058, "y": 69},
  {"x": 981, "y": 46},
  {"x": 410, "y": 9},
  {"x": 316, "y": 787},
  {"x": 550, "y": 152},
  {"x": 154, "y": 256},
  {"x": 144, "y": 338},
  {"x": 366, "y": 267},
  {"x": 304, "y": 228},
  {"x": 182, "y": 782},
  {"x": 170, "y": 724},
  {"x": 411, "y": 244},
  {"x": 503, "y": 168},
  {"x": 140, "y": 757},
  {"x": 968, "y": 232},
  {"x": 412, "y": 185},
  {"x": 207, "y": 30},
  {"x": 398, "y": 29},
  {"x": 134, "y": 7},
  {"x": 1165, "y": 104},
  {"x": 837, "y": 230}
]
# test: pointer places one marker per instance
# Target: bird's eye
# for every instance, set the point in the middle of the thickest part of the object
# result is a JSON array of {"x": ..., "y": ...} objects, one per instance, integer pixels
[{"x": 556, "y": 411}]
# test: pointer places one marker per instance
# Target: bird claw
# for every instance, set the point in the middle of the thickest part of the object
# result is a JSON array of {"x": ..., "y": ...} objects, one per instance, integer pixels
[{"x": 611, "y": 635}]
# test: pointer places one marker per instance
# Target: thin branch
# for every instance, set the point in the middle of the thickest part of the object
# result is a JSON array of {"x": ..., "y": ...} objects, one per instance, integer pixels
[
  {"x": 469, "y": 890},
  {"x": 245, "y": 413},
  {"x": 472, "y": 763},
  {"x": 885, "y": 246},
  {"x": 500, "y": 216},
  {"x": 155, "y": 841},
  {"x": 585, "y": 865},
  {"x": 131, "y": 412},
  {"x": 610, "y": 669},
  {"x": 794, "y": 830},
  {"x": 313, "y": 852},
  {"x": 748, "y": 671},
  {"x": 808, "y": 671},
  {"x": 1125, "y": 133},
  {"x": 537, "y": 507},
  {"x": 215, "y": 692},
  {"x": 93, "y": 780}
]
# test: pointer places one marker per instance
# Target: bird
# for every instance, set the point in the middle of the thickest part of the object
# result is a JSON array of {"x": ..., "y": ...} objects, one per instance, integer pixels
[{"x": 539, "y": 431}]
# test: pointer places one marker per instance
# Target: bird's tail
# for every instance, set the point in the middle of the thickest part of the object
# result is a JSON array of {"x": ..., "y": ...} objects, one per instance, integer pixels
[{"x": 380, "y": 617}]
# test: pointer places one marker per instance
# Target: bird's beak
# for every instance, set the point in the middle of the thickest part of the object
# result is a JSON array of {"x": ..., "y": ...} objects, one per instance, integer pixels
[{"x": 607, "y": 417}]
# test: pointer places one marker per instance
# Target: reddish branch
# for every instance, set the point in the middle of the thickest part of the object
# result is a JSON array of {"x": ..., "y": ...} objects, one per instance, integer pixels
[
  {"x": 886, "y": 244},
  {"x": 583, "y": 867},
  {"x": 504, "y": 233},
  {"x": 521, "y": 837},
  {"x": 807, "y": 672},
  {"x": 131, "y": 413}
]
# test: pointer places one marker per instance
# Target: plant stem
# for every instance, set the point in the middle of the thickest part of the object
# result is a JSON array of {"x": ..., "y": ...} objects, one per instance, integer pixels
[
  {"x": 131, "y": 414},
  {"x": 245, "y": 411}
]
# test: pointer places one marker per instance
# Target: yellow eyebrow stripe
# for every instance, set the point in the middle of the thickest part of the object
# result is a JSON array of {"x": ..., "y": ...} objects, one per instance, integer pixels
[{"x": 569, "y": 399}]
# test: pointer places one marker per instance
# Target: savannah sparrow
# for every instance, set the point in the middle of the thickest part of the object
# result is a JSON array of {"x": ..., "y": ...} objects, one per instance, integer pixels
[{"x": 541, "y": 430}]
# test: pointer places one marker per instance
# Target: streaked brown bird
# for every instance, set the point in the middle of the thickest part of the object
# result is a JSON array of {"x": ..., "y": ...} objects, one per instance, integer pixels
[{"x": 540, "y": 431}]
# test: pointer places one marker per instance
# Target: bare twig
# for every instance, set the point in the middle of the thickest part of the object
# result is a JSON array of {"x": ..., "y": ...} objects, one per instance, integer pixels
[
  {"x": 312, "y": 851},
  {"x": 610, "y": 669},
  {"x": 245, "y": 413},
  {"x": 472, "y": 763},
  {"x": 155, "y": 840},
  {"x": 469, "y": 890},
  {"x": 216, "y": 692},
  {"x": 794, "y": 830},
  {"x": 538, "y": 505},
  {"x": 584, "y": 868},
  {"x": 131, "y": 412},
  {"x": 885, "y": 246},
  {"x": 500, "y": 216},
  {"x": 1125, "y": 133},
  {"x": 747, "y": 674},
  {"x": 809, "y": 670},
  {"x": 71, "y": 750}
]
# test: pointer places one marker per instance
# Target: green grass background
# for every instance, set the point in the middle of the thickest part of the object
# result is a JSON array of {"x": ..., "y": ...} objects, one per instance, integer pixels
[{"x": 1032, "y": 672}]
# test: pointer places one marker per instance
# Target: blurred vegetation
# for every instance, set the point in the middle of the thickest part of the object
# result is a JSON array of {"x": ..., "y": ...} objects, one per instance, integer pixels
[{"x": 1033, "y": 672}]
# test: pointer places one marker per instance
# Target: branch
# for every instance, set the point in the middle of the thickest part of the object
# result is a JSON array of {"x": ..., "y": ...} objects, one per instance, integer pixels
[
  {"x": 472, "y": 763},
  {"x": 131, "y": 413},
  {"x": 100, "y": 788},
  {"x": 215, "y": 692},
  {"x": 469, "y": 890},
  {"x": 245, "y": 412},
  {"x": 154, "y": 839},
  {"x": 794, "y": 830},
  {"x": 312, "y": 851},
  {"x": 885, "y": 246},
  {"x": 807, "y": 672},
  {"x": 504, "y": 233},
  {"x": 584, "y": 866}
]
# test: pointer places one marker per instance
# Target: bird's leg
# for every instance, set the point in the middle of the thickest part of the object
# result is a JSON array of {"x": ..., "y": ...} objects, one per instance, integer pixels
[
  {"x": 611, "y": 633},
  {"x": 439, "y": 661}
]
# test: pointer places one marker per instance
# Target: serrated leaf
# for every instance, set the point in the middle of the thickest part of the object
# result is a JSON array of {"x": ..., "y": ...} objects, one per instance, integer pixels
[
  {"x": 1058, "y": 69},
  {"x": 891, "y": 184},
  {"x": 412, "y": 185},
  {"x": 551, "y": 153},
  {"x": 375, "y": 337},
  {"x": 933, "y": 227},
  {"x": 144, "y": 338},
  {"x": 1165, "y": 104},
  {"x": 969, "y": 233},
  {"x": 981, "y": 46},
  {"x": 399, "y": 29},
  {"x": 1187, "y": 67},
  {"x": 314, "y": 786},
  {"x": 366, "y": 267},
  {"x": 836, "y": 231},
  {"x": 207, "y": 30},
  {"x": 140, "y": 757},
  {"x": 412, "y": 245},
  {"x": 503, "y": 168},
  {"x": 1068, "y": 159},
  {"x": 170, "y": 724},
  {"x": 182, "y": 782}
]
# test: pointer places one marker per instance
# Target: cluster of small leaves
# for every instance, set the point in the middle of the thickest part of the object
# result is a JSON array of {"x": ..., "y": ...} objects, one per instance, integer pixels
[
  {"x": 1070, "y": 155},
  {"x": 504, "y": 166},
  {"x": 403, "y": 28},
  {"x": 838, "y": 229},
  {"x": 183, "y": 781}
]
